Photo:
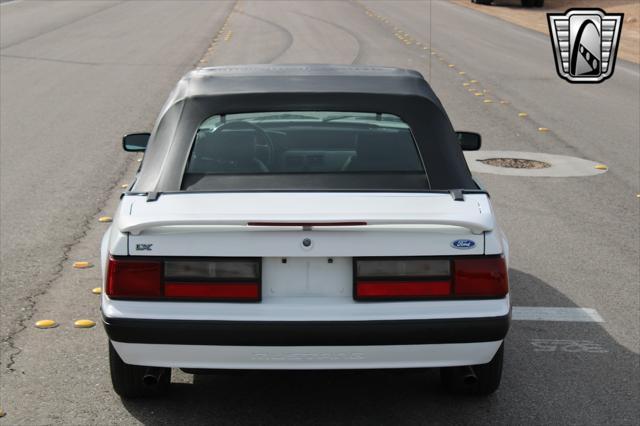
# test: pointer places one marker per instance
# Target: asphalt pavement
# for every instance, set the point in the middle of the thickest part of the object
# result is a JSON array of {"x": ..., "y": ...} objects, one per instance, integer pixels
[{"x": 76, "y": 75}]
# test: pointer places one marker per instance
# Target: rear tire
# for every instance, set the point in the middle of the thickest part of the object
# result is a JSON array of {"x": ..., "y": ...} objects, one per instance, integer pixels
[
  {"x": 539, "y": 3},
  {"x": 527, "y": 3},
  {"x": 485, "y": 2},
  {"x": 489, "y": 376},
  {"x": 127, "y": 379}
]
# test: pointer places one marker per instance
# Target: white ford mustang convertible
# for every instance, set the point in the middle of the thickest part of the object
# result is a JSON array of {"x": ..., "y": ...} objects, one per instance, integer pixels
[{"x": 304, "y": 217}]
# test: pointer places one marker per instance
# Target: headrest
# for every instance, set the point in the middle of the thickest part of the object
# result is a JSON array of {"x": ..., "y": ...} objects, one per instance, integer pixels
[{"x": 227, "y": 145}]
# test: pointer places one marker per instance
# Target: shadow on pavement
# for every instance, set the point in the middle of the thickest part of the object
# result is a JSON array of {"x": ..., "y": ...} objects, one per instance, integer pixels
[{"x": 559, "y": 386}]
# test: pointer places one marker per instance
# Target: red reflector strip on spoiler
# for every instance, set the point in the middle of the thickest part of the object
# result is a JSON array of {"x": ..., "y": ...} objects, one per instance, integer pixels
[
  {"x": 306, "y": 223},
  {"x": 216, "y": 290},
  {"x": 402, "y": 289}
]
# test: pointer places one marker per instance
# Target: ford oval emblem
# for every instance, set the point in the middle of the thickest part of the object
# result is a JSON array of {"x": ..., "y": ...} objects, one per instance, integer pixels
[{"x": 463, "y": 244}]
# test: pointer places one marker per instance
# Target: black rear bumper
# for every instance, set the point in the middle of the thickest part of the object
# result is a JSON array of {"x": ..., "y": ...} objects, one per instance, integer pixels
[{"x": 307, "y": 333}]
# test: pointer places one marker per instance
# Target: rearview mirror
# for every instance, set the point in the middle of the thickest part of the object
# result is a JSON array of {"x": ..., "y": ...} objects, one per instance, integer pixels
[
  {"x": 469, "y": 141},
  {"x": 135, "y": 142}
]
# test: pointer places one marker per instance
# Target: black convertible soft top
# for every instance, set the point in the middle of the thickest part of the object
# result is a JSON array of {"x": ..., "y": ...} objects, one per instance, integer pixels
[{"x": 205, "y": 92}]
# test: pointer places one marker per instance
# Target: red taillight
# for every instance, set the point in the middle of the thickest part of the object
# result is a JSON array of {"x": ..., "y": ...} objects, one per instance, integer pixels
[
  {"x": 481, "y": 277},
  {"x": 198, "y": 279},
  {"x": 402, "y": 279},
  {"x": 400, "y": 289},
  {"x": 234, "y": 291},
  {"x": 129, "y": 279},
  {"x": 424, "y": 278}
]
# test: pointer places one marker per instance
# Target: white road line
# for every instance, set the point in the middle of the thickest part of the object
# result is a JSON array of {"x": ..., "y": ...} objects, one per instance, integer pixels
[
  {"x": 535, "y": 313},
  {"x": 567, "y": 345}
]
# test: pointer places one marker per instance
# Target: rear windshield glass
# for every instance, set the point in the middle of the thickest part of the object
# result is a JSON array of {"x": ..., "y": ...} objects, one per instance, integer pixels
[{"x": 303, "y": 142}]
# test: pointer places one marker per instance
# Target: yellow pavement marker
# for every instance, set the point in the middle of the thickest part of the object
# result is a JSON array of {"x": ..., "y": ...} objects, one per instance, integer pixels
[
  {"x": 465, "y": 84},
  {"x": 522, "y": 114},
  {"x": 461, "y": 73},
  {"x": 543, "y": 129},
  {"x": 2, "y": 413},
  {"x": 105, "y": 219},
  {"x": 96, "y": 290},
  {"x": 124, "y": 185},
  {"x": 473, "y": 81},
  {"x": 82, "y": 265},
  {"x": 488, "y": 101},
  {"x": 601, "y": 167},
  {"x": 504, "y": 102},
  {"x": 47, "y": 323},
  {"x": 479, "y": 94},
  {"x": 451, "y": 65},
  {"x": 139, "y": 160},
  {"x": 84, "y": 323}
]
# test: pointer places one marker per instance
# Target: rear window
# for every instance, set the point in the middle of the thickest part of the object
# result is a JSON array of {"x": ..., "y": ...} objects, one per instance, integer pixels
[{"x": 282, "y": 146}]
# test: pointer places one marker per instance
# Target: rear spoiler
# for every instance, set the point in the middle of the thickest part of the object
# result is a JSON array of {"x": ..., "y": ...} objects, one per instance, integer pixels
[{"x": 477, "y": 225}]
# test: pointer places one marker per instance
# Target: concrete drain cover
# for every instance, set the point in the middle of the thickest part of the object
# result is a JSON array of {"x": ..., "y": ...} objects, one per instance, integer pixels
[{"x": 517, "y": 163}]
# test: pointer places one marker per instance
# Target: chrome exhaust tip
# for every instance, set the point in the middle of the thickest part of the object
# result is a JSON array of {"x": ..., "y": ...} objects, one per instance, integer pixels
[
  {"x": 468, "y": 376},
  {"x": 152, "y": 376}
]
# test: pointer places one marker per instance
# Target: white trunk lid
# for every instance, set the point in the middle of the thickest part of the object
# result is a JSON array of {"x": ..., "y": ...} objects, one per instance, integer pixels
[{"x": 215, "y": 224}]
